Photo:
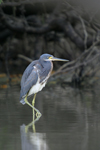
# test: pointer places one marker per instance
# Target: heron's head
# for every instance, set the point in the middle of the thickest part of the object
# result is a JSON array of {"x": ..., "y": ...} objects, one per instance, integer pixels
[{"x": 48, "y": 57}]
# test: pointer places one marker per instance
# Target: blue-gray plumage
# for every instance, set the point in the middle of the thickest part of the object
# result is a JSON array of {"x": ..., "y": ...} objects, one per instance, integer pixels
[{"x": 35, "y": 77}]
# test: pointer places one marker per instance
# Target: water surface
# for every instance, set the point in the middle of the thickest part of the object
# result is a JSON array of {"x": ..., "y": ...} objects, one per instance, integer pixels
[{"x": 70, "y": 120}]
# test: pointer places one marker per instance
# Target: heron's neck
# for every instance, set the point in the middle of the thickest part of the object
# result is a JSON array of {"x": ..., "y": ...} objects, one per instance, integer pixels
[{"x": 48, "y": 65}]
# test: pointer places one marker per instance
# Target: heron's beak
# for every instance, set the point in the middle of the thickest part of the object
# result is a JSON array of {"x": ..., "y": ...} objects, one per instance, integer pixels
[{"x": 57, "y": 59}]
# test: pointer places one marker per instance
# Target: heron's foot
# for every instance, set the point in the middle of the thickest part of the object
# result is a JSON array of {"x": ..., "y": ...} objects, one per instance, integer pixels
[{"x": 38, "y": 114}]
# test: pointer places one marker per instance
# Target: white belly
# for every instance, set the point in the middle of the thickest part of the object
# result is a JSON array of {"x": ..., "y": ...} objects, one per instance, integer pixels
[{"x": 36, "y": 88}]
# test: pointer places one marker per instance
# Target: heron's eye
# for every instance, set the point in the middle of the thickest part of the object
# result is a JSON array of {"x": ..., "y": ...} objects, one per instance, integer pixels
[{"x": 50, "y": 57}]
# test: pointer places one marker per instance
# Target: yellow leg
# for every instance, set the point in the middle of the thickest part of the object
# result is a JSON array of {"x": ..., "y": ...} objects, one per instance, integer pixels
[
  {"x": 33, "y": 102},
  {"x": 26, "y": 101},
  {"x": 34, "y": 130},
  {"x": 37, "y": 112},
  {"x": 32, "y": 124}
]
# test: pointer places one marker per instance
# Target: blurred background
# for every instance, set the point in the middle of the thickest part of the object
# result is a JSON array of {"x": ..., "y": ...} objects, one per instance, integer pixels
[{"x": 70, "y": 102}]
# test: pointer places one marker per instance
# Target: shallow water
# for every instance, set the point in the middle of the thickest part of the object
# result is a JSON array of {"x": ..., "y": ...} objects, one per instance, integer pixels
[{"x": 70, "y": 120}]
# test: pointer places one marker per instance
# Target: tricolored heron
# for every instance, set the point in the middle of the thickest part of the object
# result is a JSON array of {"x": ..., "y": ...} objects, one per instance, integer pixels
[{"x": 35, "y": 77}]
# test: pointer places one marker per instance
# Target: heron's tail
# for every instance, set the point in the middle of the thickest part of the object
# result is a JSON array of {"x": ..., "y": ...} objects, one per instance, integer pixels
[{"x": 22, "y": 101}]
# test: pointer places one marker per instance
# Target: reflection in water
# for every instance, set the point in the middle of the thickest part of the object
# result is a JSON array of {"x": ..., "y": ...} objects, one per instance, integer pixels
[
  {"x": 70, "y": 120},
  {"x": 30, "y": 139}
]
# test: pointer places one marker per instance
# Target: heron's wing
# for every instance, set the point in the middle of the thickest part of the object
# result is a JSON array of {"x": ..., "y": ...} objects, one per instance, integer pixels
[
  {"x": 28, "y": 70},
  {"x": 29, "y": 79}
]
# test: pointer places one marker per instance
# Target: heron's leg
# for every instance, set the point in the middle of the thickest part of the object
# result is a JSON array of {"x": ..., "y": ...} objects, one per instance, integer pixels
[
  {"x": 26, "y": 101},
  {"x": 32, "y": 124},
  {"x": 33, "y": 102}
]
